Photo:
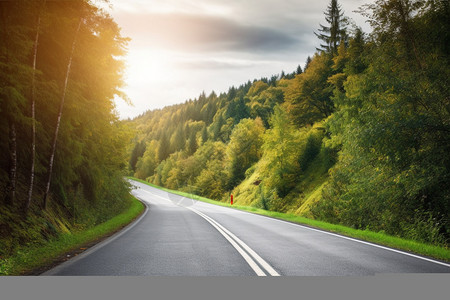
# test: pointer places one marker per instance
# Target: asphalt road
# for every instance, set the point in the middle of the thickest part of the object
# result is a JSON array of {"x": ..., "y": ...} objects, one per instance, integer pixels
[{"x": 181, "y": 237}]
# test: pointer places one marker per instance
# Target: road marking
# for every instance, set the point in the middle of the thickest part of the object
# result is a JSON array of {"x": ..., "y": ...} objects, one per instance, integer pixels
[
  {"x": 341, "y": 236},
  {"x": 258, "y": 258},
  {"x": 247, "y": 258},
  {"x": 348, "y": 238},
  {"x": 250, "y": 256}
]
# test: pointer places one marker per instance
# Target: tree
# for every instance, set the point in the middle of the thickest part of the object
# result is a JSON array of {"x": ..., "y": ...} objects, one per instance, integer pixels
[
  {"x": 217, "y": 126},
  {"x": 335, "y": 33},
  {"x": 244, "y": 149},
  {"x": 280, "y": 154},
  {"x": 204, "y": 135},
  {"x": 308, "y": 96},
  {"x": 393, "y": 137},
  {"x": 58, "y": 122},
  {"x": 163, "y": 148},
  {"x": 308, "y": 61},
  {"x": 177, "y": 140},
  {"x": 191, "y": 144},
  {"x": 146, "y": 164},
  {"x": 14, "y": 52},
  {"x": 33, "y": 110},
  {"x": 137, "y": 152},
  {"x": 87, "y": 184}
]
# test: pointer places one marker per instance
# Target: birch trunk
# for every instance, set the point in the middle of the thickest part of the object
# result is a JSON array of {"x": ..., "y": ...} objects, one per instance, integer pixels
[
  {"x": 58, "y": 122},
  {"x": 33, "y": 113}
]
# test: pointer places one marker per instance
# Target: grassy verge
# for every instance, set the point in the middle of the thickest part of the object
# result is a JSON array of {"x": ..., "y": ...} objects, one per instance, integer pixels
[
  {"x": 34, "y": 257},
  {"x": 366, "y": 235}
]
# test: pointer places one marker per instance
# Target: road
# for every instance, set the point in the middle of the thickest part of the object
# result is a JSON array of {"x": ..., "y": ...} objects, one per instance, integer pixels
[{"x": 181, "y": 237}]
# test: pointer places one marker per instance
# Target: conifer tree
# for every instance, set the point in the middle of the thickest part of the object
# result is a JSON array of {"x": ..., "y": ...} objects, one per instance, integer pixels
[{"x": 333, "y": 34}]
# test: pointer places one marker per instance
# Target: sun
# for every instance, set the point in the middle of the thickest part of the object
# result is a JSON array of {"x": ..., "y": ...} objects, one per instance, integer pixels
[{"x": 147, "y": 67}]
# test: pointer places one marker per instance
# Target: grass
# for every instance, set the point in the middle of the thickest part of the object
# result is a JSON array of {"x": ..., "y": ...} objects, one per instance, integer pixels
[
  {"x": 365, "y": 235},
  {"x": 31, "y": 258}
]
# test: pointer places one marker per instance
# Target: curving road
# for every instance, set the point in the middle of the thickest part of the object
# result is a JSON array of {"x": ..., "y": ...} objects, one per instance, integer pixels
[{"x": 179, "y": 236}]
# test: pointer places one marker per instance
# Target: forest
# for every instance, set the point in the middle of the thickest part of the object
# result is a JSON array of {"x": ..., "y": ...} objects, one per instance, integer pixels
[
  {"x": 360, "y": 136},
  {"x": 62, "y": 152}
]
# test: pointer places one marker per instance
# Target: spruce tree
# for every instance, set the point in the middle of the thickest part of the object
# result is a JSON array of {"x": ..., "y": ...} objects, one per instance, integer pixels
[{"x": 335, "y": 33}]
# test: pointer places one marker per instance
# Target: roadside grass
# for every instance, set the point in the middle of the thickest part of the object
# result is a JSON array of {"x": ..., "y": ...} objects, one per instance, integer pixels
[
  {"x": 365, "y": 235},
  {"x": 33, "y": 257}
]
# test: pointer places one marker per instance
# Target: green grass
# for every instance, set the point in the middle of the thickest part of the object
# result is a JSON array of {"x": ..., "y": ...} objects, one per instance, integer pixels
[
  {"x": 365, "y": 235},
  {"x": 33, "y": 257}
]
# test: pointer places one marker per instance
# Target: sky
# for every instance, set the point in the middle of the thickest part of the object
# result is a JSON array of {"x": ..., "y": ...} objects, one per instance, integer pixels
[{"x": 181, "y": 48}]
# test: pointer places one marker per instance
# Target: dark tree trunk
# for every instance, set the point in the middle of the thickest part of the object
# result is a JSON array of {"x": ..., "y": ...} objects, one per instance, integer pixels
[{"x": 11, "y": 188}]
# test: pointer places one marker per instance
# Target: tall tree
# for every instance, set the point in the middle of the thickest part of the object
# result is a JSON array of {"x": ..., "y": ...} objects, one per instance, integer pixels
[
  {"x": 58, "y": 122},
  {"x": 33, "y": 109},
  {"x": 11, "y": 189},
  {"x": 244, "y": 149},
  {"x": 308, "y": 96},
  {"x": 333, "y": 34},
  {"x": 308, "y": 61},
  {"x": 191, "y": 145},
  {"x": 164, "y": 147},
  {"x": 14, "y": 48}
]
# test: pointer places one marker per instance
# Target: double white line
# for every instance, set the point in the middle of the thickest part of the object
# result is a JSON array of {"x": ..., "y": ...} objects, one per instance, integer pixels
[
  {"x": 256, "y": 262},
  {"x": 248, "y": 254}
]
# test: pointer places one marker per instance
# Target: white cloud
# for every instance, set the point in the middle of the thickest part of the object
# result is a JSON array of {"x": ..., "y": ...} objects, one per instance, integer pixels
[{"x": 181, "y": 47}]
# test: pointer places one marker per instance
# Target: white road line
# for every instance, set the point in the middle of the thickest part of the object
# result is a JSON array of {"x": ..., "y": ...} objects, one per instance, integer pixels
[
  {"x": 345, "y": 237},
  {"x": 258, "y": 258},
  {"x": 234, "y": 241},
  {"x": 351, "y": 239},
  {"x": 247, "y": 258}
]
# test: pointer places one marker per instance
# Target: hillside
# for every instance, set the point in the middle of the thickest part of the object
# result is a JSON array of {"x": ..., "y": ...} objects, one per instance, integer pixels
[{"x": 360, "y": 137}]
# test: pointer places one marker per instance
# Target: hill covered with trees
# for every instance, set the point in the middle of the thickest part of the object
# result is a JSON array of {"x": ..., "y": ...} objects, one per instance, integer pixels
[
  {"x": 62, "y": 152},
  {"x": 360, "y": 137}
]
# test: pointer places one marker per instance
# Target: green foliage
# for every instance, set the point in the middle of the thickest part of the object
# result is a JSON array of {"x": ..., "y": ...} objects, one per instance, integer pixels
[
  {"x": 137, "y": 152},
  {"x": 393, "y": 129},
  {"x": 308, "y": 96},
  {"x": 90, "y": 159},
  {"x": 312, "y": 149},
  {"x": 280, "y": 155},
  {"x": 38, "y": 254},
  {"x": 148, "y": 162},
  {"x": 244, "y": 149},
  {"x": 366, "y": 235},
  {"x": 360, "y": 137}
]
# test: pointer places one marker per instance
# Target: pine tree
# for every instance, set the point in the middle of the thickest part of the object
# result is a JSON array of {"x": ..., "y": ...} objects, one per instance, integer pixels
[
  {"x": 308, "y": 61},
  {"x": 191, "y": 145},
  {"x": 204, "y": 135},
  {"x": 163, "y": 150},
  {"x": 335, "y": 33}
]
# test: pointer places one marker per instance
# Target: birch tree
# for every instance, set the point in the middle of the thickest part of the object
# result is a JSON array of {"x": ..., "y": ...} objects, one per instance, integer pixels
[{"x": 58, "y": 121}]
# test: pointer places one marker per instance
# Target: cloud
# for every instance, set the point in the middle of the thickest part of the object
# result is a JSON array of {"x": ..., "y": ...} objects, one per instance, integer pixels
[
  {"x": 204, "y": 33},
  {"x": 215, "y": 64}
]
